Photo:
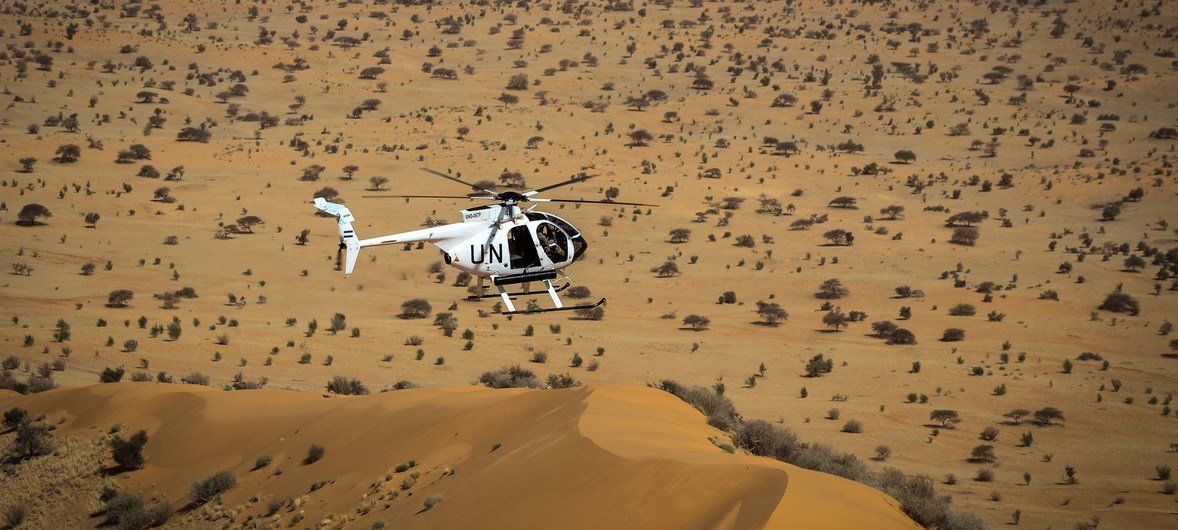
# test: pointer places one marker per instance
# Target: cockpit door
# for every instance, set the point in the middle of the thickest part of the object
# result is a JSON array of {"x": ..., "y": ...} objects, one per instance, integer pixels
[{"x": 521, "y": 248}]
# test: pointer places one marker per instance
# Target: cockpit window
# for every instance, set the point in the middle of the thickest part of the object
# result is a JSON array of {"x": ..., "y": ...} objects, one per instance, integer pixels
[{"x": 554, "y": 241}]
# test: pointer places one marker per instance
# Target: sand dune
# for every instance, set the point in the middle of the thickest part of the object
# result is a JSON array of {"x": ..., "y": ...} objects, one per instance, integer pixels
[{"x": 592, "y": 457}]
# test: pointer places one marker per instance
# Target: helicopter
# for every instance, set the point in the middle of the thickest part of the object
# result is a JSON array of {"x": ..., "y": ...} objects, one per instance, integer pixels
[{"x": 500, "y": 241}]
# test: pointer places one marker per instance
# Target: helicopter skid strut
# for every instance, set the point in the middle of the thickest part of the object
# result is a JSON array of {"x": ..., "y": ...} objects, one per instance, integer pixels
[{"x": 472, "y": 298}]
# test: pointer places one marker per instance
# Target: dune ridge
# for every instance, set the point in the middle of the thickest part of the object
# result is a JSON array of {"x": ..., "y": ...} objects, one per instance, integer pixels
[{"x": 603, "y": 456}]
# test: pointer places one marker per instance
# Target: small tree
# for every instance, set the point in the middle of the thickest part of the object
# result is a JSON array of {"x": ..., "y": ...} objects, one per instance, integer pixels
[
  {"x": 983, "y": 453},
  {"x": 119, "y": 298},
  {"x": 964, "y": 235},
  {"x": 666, "y": 270},
  {"x": 947, "y": 418},
  {"x": 1121, "y": 303},
  {"x": 68, "y": 153},
  {"x": 416, "y": 308},
  {"x": 696, "y": 322},
  {"x": 905, "y": 156},
  {"x": 831, "y": 289},
  {"x": 835, "y": 319},
  {"x": 892, "y": 211},
  {"x": 640, "y": 138},
  {"x": 30, "y": 212},
  {"x": 26, "y": 164},
  {"x": 818, "y": 365},
  {"x": 92, "y": 219},
  {"x": 378, "y": 182},
  {"x": 1132, "y": 263},
  {"x": 129, "y": 453},
  {"x": 680, "y": 235},
  {"x": 837, "y": 236},
  {"x": 1046, "y": 415},
  {"x": 771, "y": 313},
  {"x": 249, "y": 222},
  {"x": 338, "y": 323}
]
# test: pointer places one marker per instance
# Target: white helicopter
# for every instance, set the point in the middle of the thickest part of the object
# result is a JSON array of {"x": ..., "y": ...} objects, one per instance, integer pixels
[{"x": 496, "y": 241}]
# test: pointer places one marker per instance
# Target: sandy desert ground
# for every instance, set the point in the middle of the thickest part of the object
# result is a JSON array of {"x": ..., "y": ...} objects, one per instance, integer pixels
[{"x": 762, "y": 128}]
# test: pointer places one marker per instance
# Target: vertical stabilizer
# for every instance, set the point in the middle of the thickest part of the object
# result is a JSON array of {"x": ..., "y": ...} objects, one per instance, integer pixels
[{"x": 347, "y": 235}]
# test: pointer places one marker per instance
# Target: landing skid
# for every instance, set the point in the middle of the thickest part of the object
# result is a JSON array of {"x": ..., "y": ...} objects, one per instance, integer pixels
[
  {"x": 559, "y": 306},
  {"x": 554, "y": 309},
  {"x": 472, "y": 298}
]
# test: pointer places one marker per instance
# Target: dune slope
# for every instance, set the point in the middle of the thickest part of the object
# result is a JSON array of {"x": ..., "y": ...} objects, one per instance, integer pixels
[{"x": 593, "y": 457}]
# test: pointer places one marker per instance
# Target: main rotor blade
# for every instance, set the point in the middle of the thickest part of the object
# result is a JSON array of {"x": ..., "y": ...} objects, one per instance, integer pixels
[
  {"x": 456, "y": 179},
  {"x": 468, "y": 197},
  {"x": 583, "y": 201},
  {"x": 574, "y": 180}
]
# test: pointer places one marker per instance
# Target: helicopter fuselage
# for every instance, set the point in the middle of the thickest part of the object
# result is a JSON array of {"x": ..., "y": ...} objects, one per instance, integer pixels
[{"x": 499, "y": 241}]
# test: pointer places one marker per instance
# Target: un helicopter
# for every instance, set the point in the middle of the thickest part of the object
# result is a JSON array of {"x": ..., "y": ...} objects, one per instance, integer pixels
[{"x": 500, "y": 241}]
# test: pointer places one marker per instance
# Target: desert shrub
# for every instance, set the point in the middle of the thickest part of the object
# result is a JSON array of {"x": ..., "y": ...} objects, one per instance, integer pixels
[
  {"x": 578, "y": 292},
  {"x": 902, "y": 336},
  {"x": 344, "y": 386},
  {"x": 853, "y": 426},
  {"x": 128, "y": 453},
  {"x": 124, "y": 509},
  {"x": 985, "y": 475},
  {"x": 953, "y": 335},
  {"x": 208, "y": 488},
  {"x": 539, "y": 357},
  {"x": 432, "y": 501},
  {"x": 762, "y": 438},
  {"x": 314, "y": 454},
  {"x": 963, "y": 310},
  {"x": 195, "y": 378},
  {"x": 510, "y": 377},
  {"x": 562, "y": 381},
  {"x": 262, "y": 461},
  {"x": 111, "y": 375},
  {"x": 819, "y": 365},
  {"x": 14, "y": 416},
  {"x": 720, "y": 411}
]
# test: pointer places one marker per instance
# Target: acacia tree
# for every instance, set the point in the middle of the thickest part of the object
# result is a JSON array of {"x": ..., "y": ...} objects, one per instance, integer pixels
[
  {"x": 119, "y": 298},
  {"x": 835, "y": 319},
  {"x": 892, "y": 211},
  {"x": 249, "y": 221},
  {"x": 831, "y": 289},
  {"x": 68, "y": 153},
  {"x": 680, "y": 235},
  {"x": 696, "y": 322},
  {"x": 640, "y": 137},
  {"x": 947, "y": 418},
  {"x": 771, "y": 313},
  {"x": 26, "y": 164},
  {"x": 378, "y": 182},
  {"x": 838, "y": 236},
  {"x": 30, "y": 212},
  {"x": 667, "y": 270}
]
